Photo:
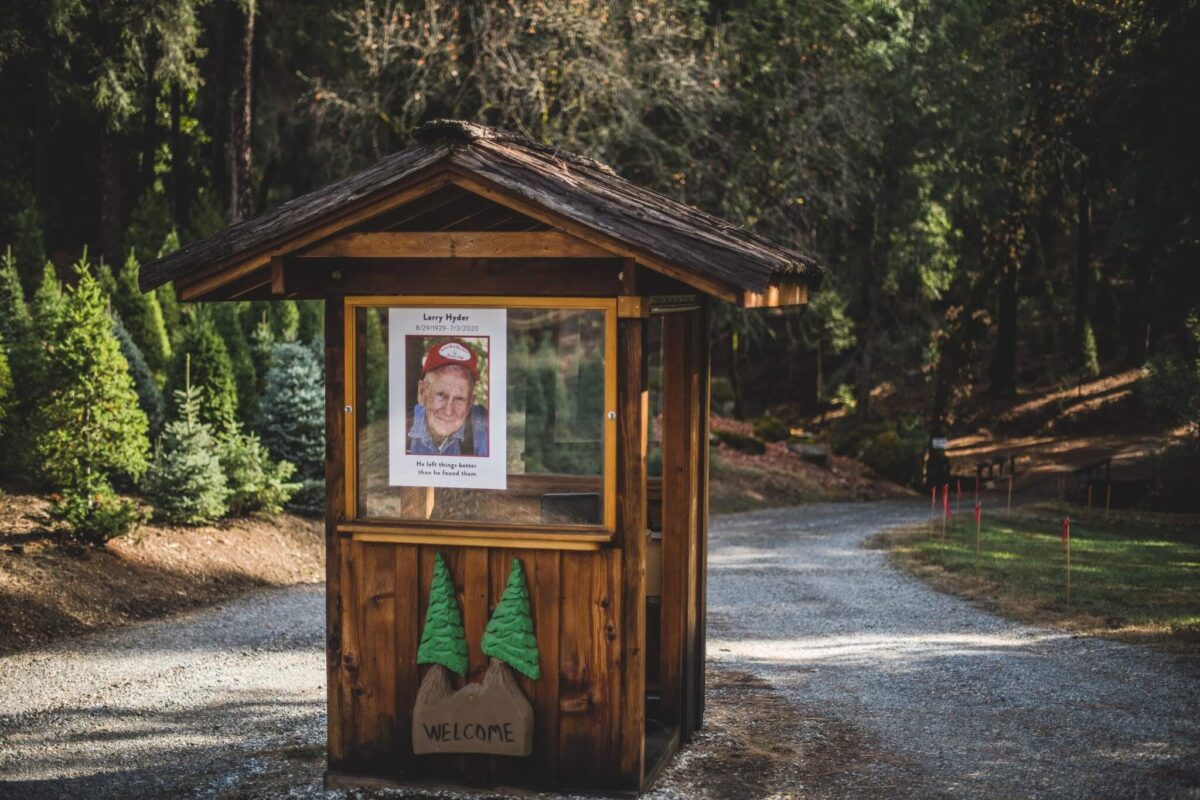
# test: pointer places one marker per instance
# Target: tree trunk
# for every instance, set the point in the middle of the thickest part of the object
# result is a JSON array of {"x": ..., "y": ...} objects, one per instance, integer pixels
[
  {"x": 1004, "y": 366},
  {"x": 177, "y": 189},
  {"x": 241, "y": 193},
  {"x": 111, "y": 215},
  {"x": 1083, "y": 266}
]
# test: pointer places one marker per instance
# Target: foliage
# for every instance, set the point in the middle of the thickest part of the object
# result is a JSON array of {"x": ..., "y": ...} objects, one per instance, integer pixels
[
  {"x": 285, "y": 320},
  {"x": 226, "y": 318},
  {"x": 202, "y": 350},
  {"x": 1170, "y": 391},
  {"x": 255, "y": 482},
  {"x": 509, "y": 633},
  {"x": 150, "y": 397},
  {"x": 15, "y": 322},
  {"x": 442, "y": 639},
  {"x": 312, "y": 321},
  {"x": 7, "y": 395},
  {"x": 87, "y": 421},
  {"x": 894, "y": 451},
  {"x": 142, "y": 317},
  {"x": 741, "y": 442},
  {"x": 185, "y": 482},
  {"x": 292, "y": 420},
  {"x": 93, "y": 514},
  {"x": 771, "y": 429}
]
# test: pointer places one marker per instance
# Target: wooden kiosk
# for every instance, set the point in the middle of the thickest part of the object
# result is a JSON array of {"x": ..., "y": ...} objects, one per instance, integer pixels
[{"x": 579, "y": 305}]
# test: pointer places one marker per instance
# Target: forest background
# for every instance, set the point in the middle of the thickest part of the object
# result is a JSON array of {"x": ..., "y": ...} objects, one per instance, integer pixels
[{"x": 1004, "y": 193}]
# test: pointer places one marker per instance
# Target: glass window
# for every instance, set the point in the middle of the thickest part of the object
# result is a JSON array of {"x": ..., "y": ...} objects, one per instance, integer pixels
[{"x": 554, "y": 425}]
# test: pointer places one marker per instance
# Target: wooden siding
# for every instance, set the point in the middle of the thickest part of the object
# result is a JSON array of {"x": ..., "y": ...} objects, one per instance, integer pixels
[{"x": 575, "y": 601}]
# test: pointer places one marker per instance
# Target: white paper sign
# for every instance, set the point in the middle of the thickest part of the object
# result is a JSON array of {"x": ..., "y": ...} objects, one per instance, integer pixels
[{"x": 447, "y": 397}]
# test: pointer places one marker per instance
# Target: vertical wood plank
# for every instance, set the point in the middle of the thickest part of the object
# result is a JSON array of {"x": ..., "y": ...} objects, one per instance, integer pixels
[
  {"x": 439, "y": 767},
  {"x": 589, "y": 653},
  {"x": 703, "y": 464},
  {"x": 693, "y": 373},
  {"x": 631, "y": 524},
  {"x": 475, "y": 599},
  {"x": 677, "y": 495},
  {"x": 375, "y": 689},
  {"x": 335, "y": 487},
  {"x": 408, "y": 636},
  {"x": 545, "y": 592}
]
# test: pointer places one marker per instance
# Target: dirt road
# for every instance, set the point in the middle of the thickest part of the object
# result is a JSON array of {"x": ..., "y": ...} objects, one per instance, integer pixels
[{"x": 831, "y": 675}]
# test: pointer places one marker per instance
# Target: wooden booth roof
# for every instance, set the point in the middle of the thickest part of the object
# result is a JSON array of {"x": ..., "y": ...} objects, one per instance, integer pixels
[{"x": 464, "y": 187}]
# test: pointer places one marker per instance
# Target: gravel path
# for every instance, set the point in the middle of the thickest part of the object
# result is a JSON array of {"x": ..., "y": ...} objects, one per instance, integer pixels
[
  {"x": 957, "y": 701},
  {"x": 173, "y": 708},
  {"x": 941, "y": 698}
]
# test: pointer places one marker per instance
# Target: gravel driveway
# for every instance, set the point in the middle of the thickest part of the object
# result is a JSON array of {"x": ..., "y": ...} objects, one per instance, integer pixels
[
  {"x": 939, "y": 697},
  {"x": 955, "y": 701}
]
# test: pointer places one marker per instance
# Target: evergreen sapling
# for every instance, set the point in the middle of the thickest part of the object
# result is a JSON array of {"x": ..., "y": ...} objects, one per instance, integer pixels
[
  {"x": 292, "y": 420},
  {"x": 186, "y": 483}
]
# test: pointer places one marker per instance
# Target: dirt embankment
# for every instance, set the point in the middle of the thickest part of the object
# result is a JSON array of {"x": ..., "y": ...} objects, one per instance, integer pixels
[{"x": 49, "y": 590}]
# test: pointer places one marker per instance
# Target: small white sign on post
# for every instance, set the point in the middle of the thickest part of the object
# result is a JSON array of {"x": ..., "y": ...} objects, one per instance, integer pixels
[
  {"x": 447, "y": 397},
  {"x": 939, "y": 443}
]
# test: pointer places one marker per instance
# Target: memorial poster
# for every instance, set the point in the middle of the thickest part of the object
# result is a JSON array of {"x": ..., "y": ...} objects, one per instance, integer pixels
[{"x": 447, "y": 397}]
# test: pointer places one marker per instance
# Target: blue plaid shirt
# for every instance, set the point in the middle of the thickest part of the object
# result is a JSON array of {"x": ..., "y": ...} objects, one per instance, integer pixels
[{"x": 420, "y": 441}]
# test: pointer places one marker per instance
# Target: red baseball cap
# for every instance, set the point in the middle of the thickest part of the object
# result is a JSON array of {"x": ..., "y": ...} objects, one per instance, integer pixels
[{"x": 451, "y": 352}]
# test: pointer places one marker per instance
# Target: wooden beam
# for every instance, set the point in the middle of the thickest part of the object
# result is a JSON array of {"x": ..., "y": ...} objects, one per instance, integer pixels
[
  {"x": 277, "y": 275},
  {"x": 784, "y": 293},
  {"x": 223, "y": 272},
  {"x": 583, "y": 277},
  {"x": 465, "y": 244},
  {"x": 611, "y": 243}
]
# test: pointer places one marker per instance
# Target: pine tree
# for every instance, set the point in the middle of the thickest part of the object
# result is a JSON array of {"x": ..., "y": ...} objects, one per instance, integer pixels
[
  {"x": 104, "y": 278},
  {"x": 47, "y": 303},
  {"x": 443, "y": 640},
  {"x": 185, "y": 482},
  {"x": 172, "y": 314},
  {"x": 7, "y": 397},
  {"x": 509, "y": 633},
  {"x": 292, "y": 420},
  {"x": 150, "y": 397},
  {"x": 142, "y": 317},
  {"x": 245, "y": 378},
  {"x": 211, "y": 370},
  {"x": 312, "y": 321},
  {"x": 285, "y": 320},
  {"x": 15, "y": 323},
  {"x": 256, "y": 483},
  {"x": 87, "y": 424}
]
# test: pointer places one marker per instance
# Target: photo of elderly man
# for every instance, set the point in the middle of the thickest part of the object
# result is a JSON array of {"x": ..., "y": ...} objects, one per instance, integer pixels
[{"x": 447, "y": 420}]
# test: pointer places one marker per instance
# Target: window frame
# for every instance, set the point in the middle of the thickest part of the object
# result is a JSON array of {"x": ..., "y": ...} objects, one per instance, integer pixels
[{"x": 479, "y": 533}]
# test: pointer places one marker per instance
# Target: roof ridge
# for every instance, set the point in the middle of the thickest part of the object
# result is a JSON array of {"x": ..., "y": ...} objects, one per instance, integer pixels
[{"x": 461, "y": 131}]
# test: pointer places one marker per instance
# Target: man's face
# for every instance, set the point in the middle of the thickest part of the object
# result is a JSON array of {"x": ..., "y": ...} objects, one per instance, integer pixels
[{"x": 447, "y": 393}]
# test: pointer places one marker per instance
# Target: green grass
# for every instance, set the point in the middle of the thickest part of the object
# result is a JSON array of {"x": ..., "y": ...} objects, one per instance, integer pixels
[{"x": 1137, "y": 577}]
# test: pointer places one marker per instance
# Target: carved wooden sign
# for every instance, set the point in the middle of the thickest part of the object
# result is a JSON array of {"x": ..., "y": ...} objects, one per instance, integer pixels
[{"x": 494, "y": 716}]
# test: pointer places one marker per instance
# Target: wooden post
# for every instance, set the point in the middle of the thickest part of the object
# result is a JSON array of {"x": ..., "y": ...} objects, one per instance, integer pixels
[
  {"x": 1107, "y": 500},
  {"x": 1010, "y": 479},
  {"x": 631, "y": 523},
  {"x": 1089, "y": 504},
  {"x": 335, "y": 493}
]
